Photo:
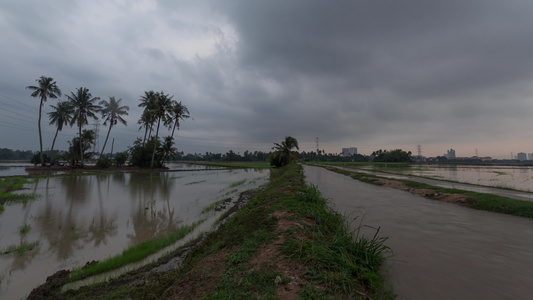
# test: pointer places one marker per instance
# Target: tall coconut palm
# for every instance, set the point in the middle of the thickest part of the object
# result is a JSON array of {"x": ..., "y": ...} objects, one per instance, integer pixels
[
  {"x": 177, "y": 112},
  {"x": 62, "y": 114},
  {"x": 146, "y": 122},
  {"x": 47, "y": 88},
  {"x": 160, "y": 110},
  {"x": 112, "y": 112},
  {"x": 84, "y": 105},
  {"x": 148, "y": 101},
  {"x": 284, "y": 152}
]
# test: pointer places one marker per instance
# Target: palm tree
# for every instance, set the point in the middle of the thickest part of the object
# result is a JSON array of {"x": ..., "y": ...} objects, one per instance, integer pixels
[
  {"x": 112, "y": 112},
  {"x": 61, "y": 115},
  {"x": 146, "y": 121},
  {"x": 159, "y": 111},
  {"x": 148, "y": 101},
  {"x": 168, "y": 149},
  {"x": 47, "y": 88},
  {"x": 177, "y": 112},
  {"x": 84, "y": 106},
  {"x": 284, "y": 152}
]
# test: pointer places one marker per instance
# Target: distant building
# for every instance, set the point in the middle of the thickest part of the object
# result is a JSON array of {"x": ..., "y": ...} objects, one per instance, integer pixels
[
  {"x": 349, "y": 151},
  {"x": 521, "y": 156},
  {"x": 530, "y": 156},
  {"x": 450, "y": 154}
]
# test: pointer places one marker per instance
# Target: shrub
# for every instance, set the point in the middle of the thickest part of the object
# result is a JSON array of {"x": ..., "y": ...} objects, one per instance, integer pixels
[{"x": 103, "y": 163}]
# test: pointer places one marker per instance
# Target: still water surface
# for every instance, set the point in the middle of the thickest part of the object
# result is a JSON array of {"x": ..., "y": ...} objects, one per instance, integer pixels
[
  {"x": 440, "y": 250},
  {"x": 77, "y": 219},
  {"x": 513, "y": 177}
]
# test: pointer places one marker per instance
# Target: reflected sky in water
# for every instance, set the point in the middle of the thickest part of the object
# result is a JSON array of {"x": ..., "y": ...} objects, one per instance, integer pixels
[{"x": 513, "y": 177}]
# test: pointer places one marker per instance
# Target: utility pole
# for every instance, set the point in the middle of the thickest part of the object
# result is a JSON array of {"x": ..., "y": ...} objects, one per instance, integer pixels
[{"x": 317, "y": 151}]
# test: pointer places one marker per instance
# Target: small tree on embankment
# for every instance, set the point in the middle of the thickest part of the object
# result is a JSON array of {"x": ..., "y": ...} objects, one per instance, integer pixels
[{"x": 284, "y": 153}]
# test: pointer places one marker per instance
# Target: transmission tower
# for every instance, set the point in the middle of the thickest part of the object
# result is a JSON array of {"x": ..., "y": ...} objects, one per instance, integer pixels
[
  {"x": 419, "y": 148},
  {"x": 317, "y": 151}
]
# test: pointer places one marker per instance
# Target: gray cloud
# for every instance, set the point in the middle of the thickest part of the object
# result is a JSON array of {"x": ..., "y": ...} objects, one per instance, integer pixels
[{"x": 371, "y": 74}]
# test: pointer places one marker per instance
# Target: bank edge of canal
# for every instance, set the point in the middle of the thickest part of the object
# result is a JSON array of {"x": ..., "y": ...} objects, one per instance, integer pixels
[
  {"x": 475, "y": 200},
  {"x": 285, "y": 243}
]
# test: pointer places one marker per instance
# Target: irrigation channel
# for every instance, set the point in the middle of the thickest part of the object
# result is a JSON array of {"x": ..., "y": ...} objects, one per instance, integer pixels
[
  {"x": 440, "y": 250},
  {"x": 77, "y": 219}
]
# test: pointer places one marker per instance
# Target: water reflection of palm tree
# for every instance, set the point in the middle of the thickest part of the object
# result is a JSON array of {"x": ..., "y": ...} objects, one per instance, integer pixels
[
  {"x": 104, "y": 226},
  {"x": 149, "y": 222},
  {"x": 48, "y": 221}
]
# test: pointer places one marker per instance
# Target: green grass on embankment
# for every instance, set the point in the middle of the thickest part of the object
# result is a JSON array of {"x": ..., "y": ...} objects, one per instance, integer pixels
[
  {"x": 313, "y": 252},
  {"x": 480, "y": 201}
]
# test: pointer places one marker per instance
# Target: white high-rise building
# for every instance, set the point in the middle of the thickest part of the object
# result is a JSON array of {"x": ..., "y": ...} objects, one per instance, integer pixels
[
  {"x": 349, "y": 151},
  {"x": 530, "y": 156},
  {"x": 521, "y": 156},
  {"x": 450, "y": 154}
]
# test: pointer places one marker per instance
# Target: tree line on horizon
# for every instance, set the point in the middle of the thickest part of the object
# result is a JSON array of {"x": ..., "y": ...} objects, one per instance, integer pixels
[{"x": 80, "y": 106}]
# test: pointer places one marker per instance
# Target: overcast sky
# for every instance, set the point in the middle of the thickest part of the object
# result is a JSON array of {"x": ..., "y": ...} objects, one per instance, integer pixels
[{"x": 366, "y": 74}]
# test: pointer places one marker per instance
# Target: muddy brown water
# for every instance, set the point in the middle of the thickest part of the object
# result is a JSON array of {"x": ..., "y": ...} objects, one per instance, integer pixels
[
  {"x": 440, "y": 250},
  {"x": 78, "y": 219}
]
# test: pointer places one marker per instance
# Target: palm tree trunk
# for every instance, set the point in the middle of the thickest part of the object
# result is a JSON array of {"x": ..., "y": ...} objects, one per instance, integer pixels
[
  {"x": 174, "y": 127},
  {"x": 155, "y": 143},
  {"x": 109, "y": 131},
  {"x": 150, "y": 132},
  {"x": 81, "y": 148},
  {"x": 40, "y": 134},
  {"x": 53, "y": 143},
  {"x": 145, "y": 132}
]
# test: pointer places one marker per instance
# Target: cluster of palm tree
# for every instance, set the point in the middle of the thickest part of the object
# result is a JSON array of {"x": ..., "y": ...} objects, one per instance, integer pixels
[
  {"x": 160, "y": 108},
  {"x": 78, "y": 109}
]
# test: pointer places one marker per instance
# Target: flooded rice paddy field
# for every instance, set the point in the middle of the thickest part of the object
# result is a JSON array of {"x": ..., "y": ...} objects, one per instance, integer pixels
[
  {"x": 80, "y": 218},
  {"x": 511, "y": 177}
]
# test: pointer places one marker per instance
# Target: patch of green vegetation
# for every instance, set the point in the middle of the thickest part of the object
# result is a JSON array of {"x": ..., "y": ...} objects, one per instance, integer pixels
[
  {"x": 483, "y": 201},
  {"x": 24, "y": 229},
  {"x": 211, "y": 207},
  {"x": 499, "y": 173},
  {"x": 10, "y": 184},
  {"x": 196, "y": 182},
  {"x": 364, "y": 177},
  {"x": 237, "y": 183},
  {"x": 132, "y": 254},
  {"x": 21, "y": 249}
]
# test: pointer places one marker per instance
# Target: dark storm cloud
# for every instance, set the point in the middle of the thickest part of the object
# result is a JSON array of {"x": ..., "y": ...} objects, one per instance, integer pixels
[
  {"x": 372, "y": 74},
  {"x": 392, "y": 62}
]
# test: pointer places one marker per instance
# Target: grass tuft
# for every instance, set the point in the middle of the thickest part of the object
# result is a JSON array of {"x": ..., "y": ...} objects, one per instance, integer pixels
[{"x": 132, "y": 254}]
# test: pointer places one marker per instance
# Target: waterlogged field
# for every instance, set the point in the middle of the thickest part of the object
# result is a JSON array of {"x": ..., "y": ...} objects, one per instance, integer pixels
[
  {"x": 13, "y": 169},
  {"x": 511, "y": 177},
  {"x": 77, "y": 219}
]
